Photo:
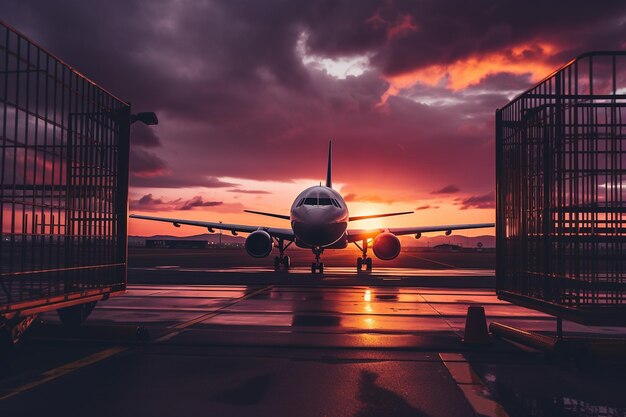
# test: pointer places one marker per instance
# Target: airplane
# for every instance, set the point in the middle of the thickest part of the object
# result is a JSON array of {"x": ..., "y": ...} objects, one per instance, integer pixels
[{"x": 319, "y": 220}]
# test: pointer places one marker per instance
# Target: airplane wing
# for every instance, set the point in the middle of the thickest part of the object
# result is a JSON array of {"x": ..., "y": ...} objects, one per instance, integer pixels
[
  {"x": 354, "y": 235},
  {"x": 286, "y": 234},
  {"x": 377, "y": 216}
]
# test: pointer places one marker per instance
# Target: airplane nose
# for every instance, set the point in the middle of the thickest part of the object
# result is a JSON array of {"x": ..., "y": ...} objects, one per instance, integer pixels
[
  {"x": 323, "y": 215},
  {"x": 317, "y": 215}
]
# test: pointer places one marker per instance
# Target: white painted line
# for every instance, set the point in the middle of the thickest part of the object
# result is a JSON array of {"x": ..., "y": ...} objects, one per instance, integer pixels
[{"x": 476, "y": 393}]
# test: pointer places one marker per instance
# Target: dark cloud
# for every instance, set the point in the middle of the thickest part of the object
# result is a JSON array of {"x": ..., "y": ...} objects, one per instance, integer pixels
[
  {"x": 183, "y": 180},
  {"x": 198, "y": 201},
  {"x": 484, "y": 201},
  {"x": 452, "y": 31},
  {"x": 241, "y": 191},
  {"x": 235, "y": 99},
  {"x": 448, "y": 189},
  {"x": 426, "y": 207},
  {"x": 501, "y": 81},
  {"x": 145, "y": 164},
  {"x": 144, "y": 136},
  {"x": 149, "y": 203}
]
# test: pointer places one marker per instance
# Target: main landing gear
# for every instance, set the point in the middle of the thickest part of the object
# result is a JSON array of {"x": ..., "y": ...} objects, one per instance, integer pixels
[
  {"x": 282, "y": 260},
  {"x": 317, "y": 265},
  {"x": 364, "y": 260}
]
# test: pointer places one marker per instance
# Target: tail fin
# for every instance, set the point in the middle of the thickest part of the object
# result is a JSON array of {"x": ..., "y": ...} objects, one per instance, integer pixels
[{"x": 329, "y": 171}]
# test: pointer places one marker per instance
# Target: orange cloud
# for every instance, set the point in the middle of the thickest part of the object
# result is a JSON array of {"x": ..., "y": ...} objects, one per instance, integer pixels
[{"x": 460, "y": 74}]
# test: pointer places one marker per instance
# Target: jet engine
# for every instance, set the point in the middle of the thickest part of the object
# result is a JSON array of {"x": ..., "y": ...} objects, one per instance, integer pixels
[
  {"x": 259, "y": 244},
  {"x": 386, "y": 246}
]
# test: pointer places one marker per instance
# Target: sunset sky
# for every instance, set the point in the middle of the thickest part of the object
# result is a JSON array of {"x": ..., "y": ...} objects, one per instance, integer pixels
[{"x": 248, "y": 93}]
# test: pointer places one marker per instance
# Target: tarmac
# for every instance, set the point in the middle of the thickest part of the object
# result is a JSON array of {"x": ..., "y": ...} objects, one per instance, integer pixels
[{"x": 289, "y": 344}]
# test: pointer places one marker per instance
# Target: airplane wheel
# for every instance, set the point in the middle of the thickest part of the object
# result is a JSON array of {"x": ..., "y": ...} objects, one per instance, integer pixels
[
  {"x": 286, "y": 262},
  {"x": 321, "y": 268},
  {"x": 359, "y": 264},
  {"x": 276, "y": 263},
  {"x": 368, "y": 264},
  {"x": 313, "y": 268}
]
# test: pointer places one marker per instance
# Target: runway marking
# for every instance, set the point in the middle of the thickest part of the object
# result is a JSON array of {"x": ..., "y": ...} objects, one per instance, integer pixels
[
  {"x": 476, "y": 393},
  {"x": 62, "y": 370},
  {"x": 435, "y": 262},
  {"x": 70, "y": 367},
  {"x": 440, "y": 315},
  {"x": 177, "y": 328}
]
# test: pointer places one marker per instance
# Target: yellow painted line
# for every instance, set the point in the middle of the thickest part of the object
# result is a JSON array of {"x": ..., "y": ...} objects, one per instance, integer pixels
[
  {"x": 70, "y": 367},
  {"x": 177, "y": 328},
  {"x": 475, "y": 392},
  {"x": 62, "y": 370},
  {"x": 452, "y": 357}
]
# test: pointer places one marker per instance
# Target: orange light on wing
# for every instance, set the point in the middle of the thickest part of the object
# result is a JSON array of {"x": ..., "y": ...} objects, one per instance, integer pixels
[{"x": 520, "y": 59}]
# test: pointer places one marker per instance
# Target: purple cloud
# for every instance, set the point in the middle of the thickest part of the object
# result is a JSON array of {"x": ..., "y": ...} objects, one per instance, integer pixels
[
  {"x": 484, "y": 201},
  {"x": 448, "y": 189},
  {"x": 426, "y": 207},
  {"x": 149, "y": 203},
  {"x": 242, "y": 191}
]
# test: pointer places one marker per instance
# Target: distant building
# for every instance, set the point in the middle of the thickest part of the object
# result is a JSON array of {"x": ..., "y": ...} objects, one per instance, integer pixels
[
  {"x": 446, "y": 247},
  {"x": 176, "y": 244}
]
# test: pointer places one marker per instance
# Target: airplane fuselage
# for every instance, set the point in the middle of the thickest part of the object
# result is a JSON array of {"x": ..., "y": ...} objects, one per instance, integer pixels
[{"x": 319, "y": 217}]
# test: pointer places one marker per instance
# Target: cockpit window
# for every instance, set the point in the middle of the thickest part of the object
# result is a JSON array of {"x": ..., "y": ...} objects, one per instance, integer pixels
[
  {"x": 300, "y": 202},
  {"x": 312, "y": 201},
  {"x": 336, "y": 203}
]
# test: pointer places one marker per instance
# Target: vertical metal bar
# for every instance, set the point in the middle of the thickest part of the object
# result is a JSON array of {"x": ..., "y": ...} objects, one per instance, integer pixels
[
  {"x": 69, "y": 188},
  {"x": 46, "y": 204},
  {"x": 6, "y": 283},
  {"x": 15, "y": 160},
  {"x": 500, "y": 207},
  {"x": 123, "y": 155}
]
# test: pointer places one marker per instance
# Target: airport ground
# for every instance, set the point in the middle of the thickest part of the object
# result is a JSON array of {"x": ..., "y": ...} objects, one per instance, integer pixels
[
  {"x": 225, "y": 335},
  {"x": 226, "y": 266}
]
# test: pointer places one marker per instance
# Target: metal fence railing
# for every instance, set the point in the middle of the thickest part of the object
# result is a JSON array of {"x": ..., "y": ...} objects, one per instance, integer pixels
[
  {"x": 64, "y": 144},
  {"x": 561, "y": 192}
]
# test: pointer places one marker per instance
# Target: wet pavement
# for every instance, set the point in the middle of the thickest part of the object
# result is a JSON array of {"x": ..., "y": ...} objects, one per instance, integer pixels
[{"x": 317, "y": 350}]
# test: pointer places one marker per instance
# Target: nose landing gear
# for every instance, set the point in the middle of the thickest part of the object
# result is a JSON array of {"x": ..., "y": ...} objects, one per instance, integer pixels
[
  {"x": 285, "y": 261},
  {"x": 364, "y": 260},
  {"x": 317, "y": 265}
]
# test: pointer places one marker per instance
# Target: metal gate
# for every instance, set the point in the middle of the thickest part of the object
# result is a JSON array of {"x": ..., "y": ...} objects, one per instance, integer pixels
[
  {"x": 64, "y": 182},
  {"x": 561, "y": 192}
]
